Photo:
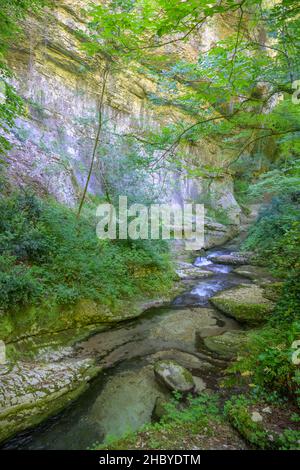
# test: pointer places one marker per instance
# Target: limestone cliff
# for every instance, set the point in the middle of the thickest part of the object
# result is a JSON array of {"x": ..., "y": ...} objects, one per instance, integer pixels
[{"x": 61, "y": 85}]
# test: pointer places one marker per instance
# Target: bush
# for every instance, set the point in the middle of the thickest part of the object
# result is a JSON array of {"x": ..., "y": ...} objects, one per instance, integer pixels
[
  {"x": 268, "y": 362},
  {"x": 46, "y": 253},
  {"x": 276, "y": 240}
]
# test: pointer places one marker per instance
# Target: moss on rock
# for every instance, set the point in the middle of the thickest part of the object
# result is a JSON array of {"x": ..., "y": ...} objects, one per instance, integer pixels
[
  {"x": 30, "y": 393},
  {"x": 264, "y": 426},
  {"x": 174, "y": 376},
  {"x": 246, "y": 304},
  {"x": 228, "y": 344}
]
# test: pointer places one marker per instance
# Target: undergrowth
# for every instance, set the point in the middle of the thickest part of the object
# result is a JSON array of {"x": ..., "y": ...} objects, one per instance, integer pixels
[{"x": 45, "y": 252}]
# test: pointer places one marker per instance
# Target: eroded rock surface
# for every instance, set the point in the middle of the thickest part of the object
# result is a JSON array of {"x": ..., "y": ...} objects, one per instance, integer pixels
[
  {"x": 257, "y": 274},
  {"x": 174, "y": 376},
  {"x": 31, "y": 392},
  {"x": 246, "y": 304},
  {"x": 189, "y": 271},
  {"x": 228, "y": 344},
  {"x": 235, "y": 258}
]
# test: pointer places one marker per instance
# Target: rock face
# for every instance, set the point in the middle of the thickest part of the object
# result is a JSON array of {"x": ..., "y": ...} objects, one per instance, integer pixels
[
  {"x": 217, "y": 234},
  {"x": 30, "y": 393},
  {"x": 223, "y": 199},
  {"x": 246, "y": 304},
  {"x": 86, "y": 314},
  {"x": 60, "y": 83},
  {"x": 174, "y": 377},
  {"x": 228, "y": 344}
]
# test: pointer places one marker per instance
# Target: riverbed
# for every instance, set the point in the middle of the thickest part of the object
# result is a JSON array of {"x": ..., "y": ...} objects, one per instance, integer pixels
[{"x": 123, "y": 396}]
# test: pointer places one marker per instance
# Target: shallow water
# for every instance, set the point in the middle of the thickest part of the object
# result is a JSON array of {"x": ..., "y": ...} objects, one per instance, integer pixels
[{"x": 122, "y": 397}]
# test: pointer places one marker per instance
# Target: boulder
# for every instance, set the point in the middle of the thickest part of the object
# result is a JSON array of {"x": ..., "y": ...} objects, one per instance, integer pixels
[
  {"x": 187, "y": 360},
  {"x": 228, "y": 344},
  {"x": 246, "y": 304},
  {"x": 235, "y": 258},
  {"x": 257, "y": 274},
  {"x": 200, "y": 385},
  {"x": 273, "y": 290},
  {"x": 159, "y": 410},
  {"x": 174, "y": 376}
]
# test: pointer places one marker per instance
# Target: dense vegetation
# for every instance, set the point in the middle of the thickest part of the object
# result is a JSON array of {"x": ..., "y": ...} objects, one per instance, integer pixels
[
  {"x": 276, "y": 240},
  {"x": 238, "y": 94},
  {"x": 46, "y": 254}
]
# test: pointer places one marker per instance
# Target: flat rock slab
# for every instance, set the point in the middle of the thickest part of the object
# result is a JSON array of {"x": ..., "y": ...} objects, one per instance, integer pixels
[
  {"x": 189, "y": 271},
  {"x": 257, "y": 274},
  {"x": 187, "y": 360},
  {"x": 174, "y": 376},
  {"x": 235, "y": 258},
  {"x": 228, "y": 344},
  {"x": 246, "y": 304},
  {"x": 31, "y": 392}
]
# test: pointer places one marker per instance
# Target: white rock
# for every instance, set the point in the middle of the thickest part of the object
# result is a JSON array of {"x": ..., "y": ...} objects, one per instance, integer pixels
[{"x": 256, "y": 417}]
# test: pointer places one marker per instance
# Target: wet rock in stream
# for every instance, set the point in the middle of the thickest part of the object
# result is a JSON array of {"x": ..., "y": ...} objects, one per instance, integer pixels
[
  {"x": 175, "y": 377},
  {"x": 189, "y": 271},
  {"x": 235, "y": 258},
  {"x": 189, "y": 361},
  {"x": 172, "y": 329},
  {"x": 227, "y": 345},
  {"x": 30, "y": 393},
  {"x": 246, "y": 304},
  {"x": 257, "y": 274}
]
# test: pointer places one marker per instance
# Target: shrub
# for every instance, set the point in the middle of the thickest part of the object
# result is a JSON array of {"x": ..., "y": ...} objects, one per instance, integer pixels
[
  {"x": 47, "y": 253},
  {"x": 268, "y": 363}
]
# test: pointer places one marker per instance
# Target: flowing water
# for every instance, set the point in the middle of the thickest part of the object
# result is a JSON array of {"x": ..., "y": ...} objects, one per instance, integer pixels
[{"x": 123, "y": 396}]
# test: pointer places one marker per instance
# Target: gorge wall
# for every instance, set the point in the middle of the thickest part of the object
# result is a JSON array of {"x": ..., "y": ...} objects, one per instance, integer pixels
[{"x": 52, "y": 145}]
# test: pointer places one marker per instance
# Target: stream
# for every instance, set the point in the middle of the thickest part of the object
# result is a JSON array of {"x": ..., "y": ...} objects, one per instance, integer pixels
[{"x": 123, "y": 396}]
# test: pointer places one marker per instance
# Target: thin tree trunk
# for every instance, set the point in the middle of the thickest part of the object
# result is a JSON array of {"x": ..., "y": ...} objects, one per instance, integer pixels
[{"x": 97, "y": 139}]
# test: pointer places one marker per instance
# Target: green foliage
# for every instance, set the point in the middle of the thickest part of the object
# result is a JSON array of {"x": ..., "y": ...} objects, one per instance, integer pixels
[
  {"x": 47, "y": 254},
  {"x": 276, "y": 225},
  {"x": 275, "y": 237},
  {"x": 183, "y": 420},
  {"x": 239, "y": 410},
  {"x": 236, "y": 409},
  {"x": 200, "y": 408},
  {"x": 268, "y": 364},
  {"x": 289, "y": 440},
  {"x": 283, "y": 180}
]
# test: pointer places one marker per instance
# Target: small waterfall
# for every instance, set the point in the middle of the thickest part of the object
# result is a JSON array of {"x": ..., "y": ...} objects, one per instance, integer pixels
[{"x": 202, "y": 261}]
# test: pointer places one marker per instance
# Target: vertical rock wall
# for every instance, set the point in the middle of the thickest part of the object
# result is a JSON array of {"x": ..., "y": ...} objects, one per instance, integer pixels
[{"x": 52, "y": 146}]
